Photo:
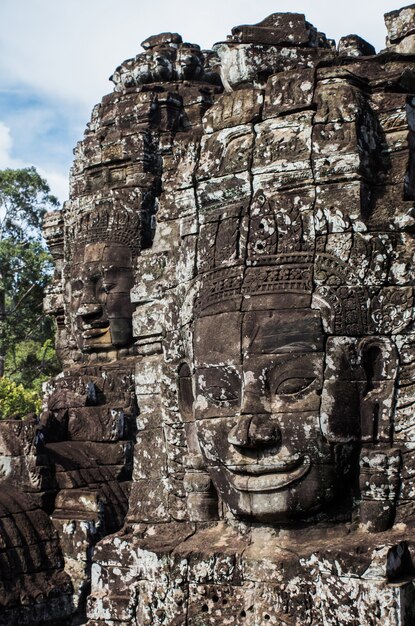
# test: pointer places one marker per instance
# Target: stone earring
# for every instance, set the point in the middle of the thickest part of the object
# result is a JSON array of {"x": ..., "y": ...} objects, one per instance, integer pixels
[
  {"x": 202, "y": 500},
  {"x": 379, "y": 484},
  {"x": 380, "y": 462}
]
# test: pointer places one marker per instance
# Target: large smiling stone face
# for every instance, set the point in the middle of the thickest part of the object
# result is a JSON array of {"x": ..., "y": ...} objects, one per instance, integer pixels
[
  {"x": 271, "y": 449},
  {"x": 100, "y": 308}
]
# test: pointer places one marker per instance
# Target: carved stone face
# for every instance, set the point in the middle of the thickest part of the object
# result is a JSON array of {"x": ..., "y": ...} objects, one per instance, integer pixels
[
  {"x": 269, "y": 443},
  {"x": 100, "y": 308}
]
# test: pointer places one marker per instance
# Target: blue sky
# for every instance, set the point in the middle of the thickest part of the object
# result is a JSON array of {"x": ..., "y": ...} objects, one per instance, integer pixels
[{"x": 56, "y": 56}]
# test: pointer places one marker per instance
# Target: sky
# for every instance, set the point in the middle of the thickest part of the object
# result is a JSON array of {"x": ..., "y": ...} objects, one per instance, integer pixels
[{"x": 56, "y": 57}]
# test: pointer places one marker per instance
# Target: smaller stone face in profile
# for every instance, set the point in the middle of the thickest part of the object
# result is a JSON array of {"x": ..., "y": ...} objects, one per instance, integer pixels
[{"x": 99, "y": 300}]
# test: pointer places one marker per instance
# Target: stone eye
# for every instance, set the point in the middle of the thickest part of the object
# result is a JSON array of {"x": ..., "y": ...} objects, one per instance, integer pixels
[
  {"x": 77, "y": 285},
  {"x": 219, "y": 395},
  {"x": 290, "y": 386}
]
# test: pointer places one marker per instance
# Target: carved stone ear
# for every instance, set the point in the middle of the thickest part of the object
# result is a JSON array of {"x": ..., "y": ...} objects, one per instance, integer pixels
[
  {"x": 380, "y": 464},
  {"x": 185, "y": 389},
  {"x": 201, "y": 497},
  {"x": 379, "y": 360}
]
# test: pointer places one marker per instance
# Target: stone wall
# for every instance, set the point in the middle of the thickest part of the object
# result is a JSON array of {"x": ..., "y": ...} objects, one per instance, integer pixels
[{"x": 230, "y": 440}]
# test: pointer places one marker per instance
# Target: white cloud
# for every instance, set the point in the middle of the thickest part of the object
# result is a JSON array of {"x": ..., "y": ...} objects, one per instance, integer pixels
[
  {"x": 58, "y": 182},
  {"x": 6, "y": 142}
]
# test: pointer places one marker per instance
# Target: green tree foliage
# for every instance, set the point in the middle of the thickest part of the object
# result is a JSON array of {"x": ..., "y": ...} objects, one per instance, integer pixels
[
  {"x": 31, "y": 362},
  {"x": 26, "y": 349},
  {"x": 26, "y": 331},
  {"x": 16, "y": 401},
  {"x": 24, "y": 198}
]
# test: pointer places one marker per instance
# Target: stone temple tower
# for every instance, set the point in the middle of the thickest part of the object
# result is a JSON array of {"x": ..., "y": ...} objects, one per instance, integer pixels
[{"x": 232, "y": 437}]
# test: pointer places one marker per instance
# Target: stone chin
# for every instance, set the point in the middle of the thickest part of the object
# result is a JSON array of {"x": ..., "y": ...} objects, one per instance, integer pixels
[{"x": 282, "y": 497}]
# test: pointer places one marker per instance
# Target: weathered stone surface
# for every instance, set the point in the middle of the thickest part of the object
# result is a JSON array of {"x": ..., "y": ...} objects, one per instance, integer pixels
[
  {"x": 247, "y": 65},
  {"x": 400, "y": 23},
  {"x": 234, "y": 110},
  {"x": 355, "y": 46},
  {"x": 232, "y": 438},
  {"x": 289, "y": 92},
  {"x": 290, "y": 29}
]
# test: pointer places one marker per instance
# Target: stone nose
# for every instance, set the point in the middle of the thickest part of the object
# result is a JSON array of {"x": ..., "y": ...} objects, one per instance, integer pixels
[
  {"x": 253, "y": 431},
  {"x": 87, "y": 309},
  {"x": 89, "y": 296}
]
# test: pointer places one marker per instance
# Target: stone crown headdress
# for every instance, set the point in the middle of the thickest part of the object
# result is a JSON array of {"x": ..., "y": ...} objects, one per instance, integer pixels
[
  {"x": 281, "y": 256},
  {"x": 107, "y": 224}
]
